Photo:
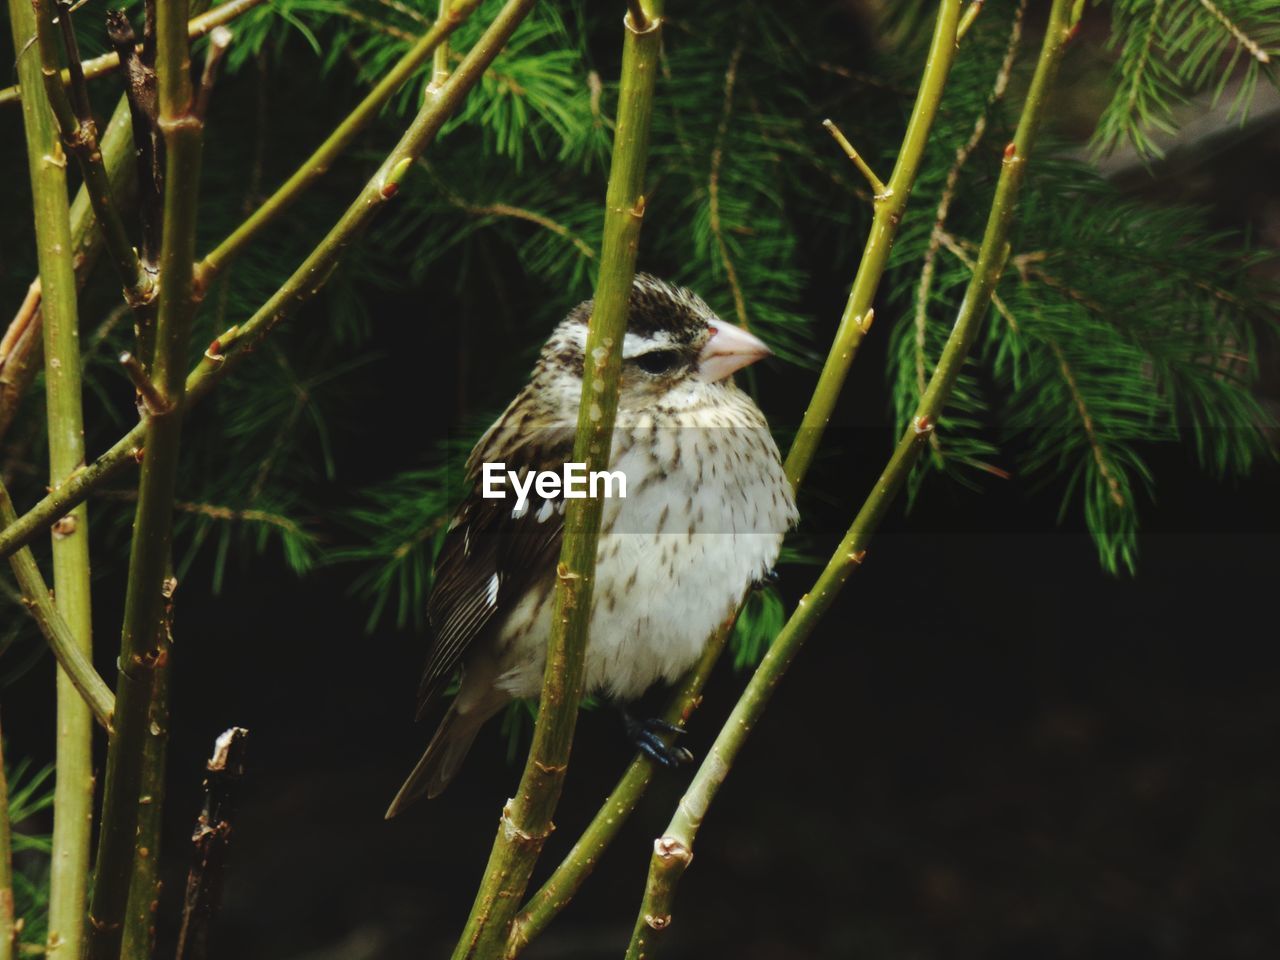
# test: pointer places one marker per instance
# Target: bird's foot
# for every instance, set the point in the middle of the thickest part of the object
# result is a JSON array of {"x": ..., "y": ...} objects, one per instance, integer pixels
[
  {"x": 770, "y": 578},
  {"x": 647, "y": 736}
]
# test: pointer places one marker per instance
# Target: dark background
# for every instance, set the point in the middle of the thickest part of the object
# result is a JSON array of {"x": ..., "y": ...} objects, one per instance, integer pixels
[{"x": 988, "y": 750}]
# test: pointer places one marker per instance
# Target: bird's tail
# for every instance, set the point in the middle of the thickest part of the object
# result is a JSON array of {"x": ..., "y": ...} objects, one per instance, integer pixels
[{"x": 443, "y": 756}]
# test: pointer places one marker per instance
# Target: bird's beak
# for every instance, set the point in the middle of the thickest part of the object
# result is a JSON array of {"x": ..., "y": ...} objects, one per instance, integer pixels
[{"x": 730, "y": 348}]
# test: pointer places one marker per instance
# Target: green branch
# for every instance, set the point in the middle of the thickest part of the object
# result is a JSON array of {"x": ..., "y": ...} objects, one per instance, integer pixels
[
  {"x": 890, "y": 204},
  {"x": 67, "y": 651},
  {"x": 526, "y": 819},
  {"x": 318, "y": 164},
  {"x": 22, "y": 358},
  {"x": 142, "y": 651},
  {"x": 302, "y": 285},
  {"x": 674, "y": 849},
  {"x": 568, "y": 877},
  {"x": 80, "y": 136},
  {"x": 100, "y": 66},
  {"x": 138, "y": 940},
  {"x": 73, "y": 792}
]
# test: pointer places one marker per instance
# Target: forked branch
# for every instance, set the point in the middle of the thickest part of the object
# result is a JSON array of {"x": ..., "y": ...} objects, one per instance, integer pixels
[
  {"x": 674, "y": 849},
  {"x": 226, "y": 352}
]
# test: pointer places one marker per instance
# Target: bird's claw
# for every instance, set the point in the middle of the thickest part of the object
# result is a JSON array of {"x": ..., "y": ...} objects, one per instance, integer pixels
[{"x": 647, "y": 736}]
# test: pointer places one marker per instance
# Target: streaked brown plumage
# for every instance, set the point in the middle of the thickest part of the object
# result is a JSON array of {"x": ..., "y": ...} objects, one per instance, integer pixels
[{"x": 706, "y": 508}]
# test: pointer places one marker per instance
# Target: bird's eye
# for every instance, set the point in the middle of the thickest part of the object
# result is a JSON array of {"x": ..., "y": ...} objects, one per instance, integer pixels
[{"x": 658, "y": 361}]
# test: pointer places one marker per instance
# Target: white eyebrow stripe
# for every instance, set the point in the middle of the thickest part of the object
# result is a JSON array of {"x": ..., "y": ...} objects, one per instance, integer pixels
[{"x": 633, "y": 344}]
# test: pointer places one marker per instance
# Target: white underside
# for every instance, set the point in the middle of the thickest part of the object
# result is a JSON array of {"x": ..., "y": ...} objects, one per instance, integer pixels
[{"x": 706, "y": 509}]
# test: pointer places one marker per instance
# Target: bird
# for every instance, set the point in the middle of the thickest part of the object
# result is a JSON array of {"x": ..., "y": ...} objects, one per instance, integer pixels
[{"x": 707, "y": 504}]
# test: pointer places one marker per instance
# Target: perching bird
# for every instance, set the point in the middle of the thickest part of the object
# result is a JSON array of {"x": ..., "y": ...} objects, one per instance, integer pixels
[{"x": 706, "y": 507}]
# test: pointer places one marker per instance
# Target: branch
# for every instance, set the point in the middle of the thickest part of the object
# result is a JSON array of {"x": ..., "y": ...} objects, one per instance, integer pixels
[
  {"x": 713, "y": 181},
  {"x": 963, "y": 153},
  {"x": 878, "y": 189},
  {"x": 73, "y": 791},
  {"x": 80, "y": 136},
  {"x": 18, "y": 365},
  {"x": 99, "y": 66},
  {"x": 302, "y": 285},
  {"x": 20, "y": 355},
  {"x": 890, "y": 205},
  {"x": 1086, "y": 422},
  {"x": 219, "y": 42},
  {"x": 526, "y": 819},
  {"x": 1252, "y": 46},
  {"x": 674, "y": 849},
  {"x": 138, "y": 939},
  {"x": 569, "y": 876},
  {"x": 496, "y": 210},
  {"x": 143, "y": 650},
  {"x": 211, "y": 839},
  {"x": 36, "y": 597},
  {"x": 440, "y": 58},
  {"x": 567, "y": 879},
  {"x": 140, "y": 92},
  {"x": 318, "y": 164}
]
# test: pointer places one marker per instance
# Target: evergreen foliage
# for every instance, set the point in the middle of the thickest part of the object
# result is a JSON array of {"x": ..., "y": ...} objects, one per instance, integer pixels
[{"x": 1121, "y": 323}]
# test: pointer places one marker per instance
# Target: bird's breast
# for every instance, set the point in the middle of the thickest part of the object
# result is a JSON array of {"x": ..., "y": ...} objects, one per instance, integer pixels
[{"x": 705, "y": 511}]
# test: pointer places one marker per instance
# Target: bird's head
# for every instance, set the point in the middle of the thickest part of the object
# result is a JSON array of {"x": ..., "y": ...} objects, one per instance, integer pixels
[{"x": 677, "y": 353}]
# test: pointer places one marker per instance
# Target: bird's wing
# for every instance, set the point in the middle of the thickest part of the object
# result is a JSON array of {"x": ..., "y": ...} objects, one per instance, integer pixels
[{"x": 490, "y": 556}]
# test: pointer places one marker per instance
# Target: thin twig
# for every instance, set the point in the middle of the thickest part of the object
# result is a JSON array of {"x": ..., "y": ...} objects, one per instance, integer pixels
[
  {"x": 19, "y": 367},
  {"x": 70, "y": 104},
  {"x": 318, "y": 164},
  {"x": 569, "y": 876},
  {"x": 957, "y": 250},
  {"x": 73, "y": 789},
  {"x": 141, "y": 94},
  {"x": 211, "y": 839},
  {"x": 23, "y": 319},
  {"x": 1151, "y": 35},
  {"x": 713, "y": 181},
  {"x": 1242, "y": 38},
  {"x": 878, "y": 189},
  {"x": 970, "y": 17},
  {"x": 381, "y": 26},
  {"x": 143, "y": 650},
  {"x": 219, "y": 41},
  {"x": 440, "y": 58},
  {"x": 304, "y": 283},
  {"x": 218, "y": 511},
  {"x": 506, "y": 210},
  {"x": 526, "y": 819},
  {"x": 674, "y": 849},
  {"x": 138, "y": 939},
  {"x": 38, "y": 600},
  {"x": 1086, "y": 421},
  {"x": 963, "y": 153},
  {"x": 407, "y": 10},
  {"x": 197, "y": 28},
  {"x": 152, "y": 399},
  {"x": 890, "y": 206}
]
